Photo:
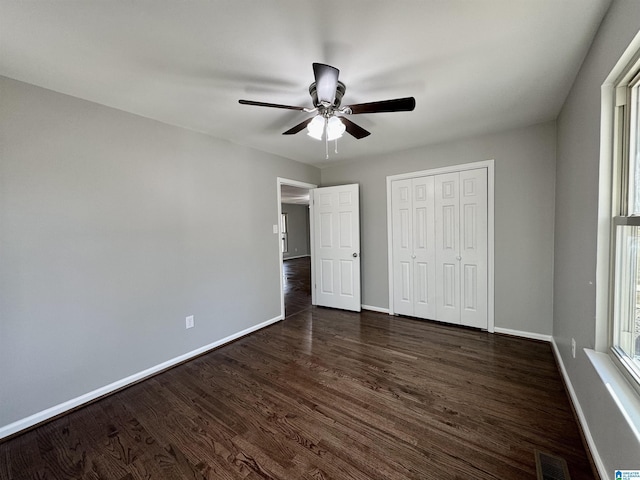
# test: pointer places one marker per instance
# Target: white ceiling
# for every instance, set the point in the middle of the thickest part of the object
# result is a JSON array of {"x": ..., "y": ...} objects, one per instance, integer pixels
[{"x": 474, "y": 66}]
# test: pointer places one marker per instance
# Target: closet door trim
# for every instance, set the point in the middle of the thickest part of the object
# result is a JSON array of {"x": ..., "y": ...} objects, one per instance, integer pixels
[{"x": 489, "y": 165}]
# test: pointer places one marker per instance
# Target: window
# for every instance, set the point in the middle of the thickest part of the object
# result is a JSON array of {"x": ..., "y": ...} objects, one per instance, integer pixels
[
  {"x": 284, "y": 233},
  {"x": 625, "y": 331}
]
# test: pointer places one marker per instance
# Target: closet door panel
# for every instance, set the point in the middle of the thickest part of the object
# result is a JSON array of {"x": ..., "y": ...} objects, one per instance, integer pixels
[
  {"x": 424, "y": 247},
  {"x": 473, "y": 247},
  {"x": 402, "y": 247},
  {"x": 447, "y": 243}
]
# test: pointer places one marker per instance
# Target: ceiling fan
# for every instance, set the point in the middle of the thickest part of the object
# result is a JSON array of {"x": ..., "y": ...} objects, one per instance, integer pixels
[{"x": 330, "y": 121}]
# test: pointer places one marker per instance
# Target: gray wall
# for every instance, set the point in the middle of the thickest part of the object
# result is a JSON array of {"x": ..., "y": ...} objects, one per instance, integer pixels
[
  {"x": 113, "y": 229},
  {"x": 298, "y": 223},
  {"x": 524, "y": 213},
  {"x": 576, "y": 230}
]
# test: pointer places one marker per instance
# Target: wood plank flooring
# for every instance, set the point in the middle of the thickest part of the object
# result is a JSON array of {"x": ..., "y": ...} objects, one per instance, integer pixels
[
  {"x": 297, "y": 285},
  {"x": 323, "y": 394}
]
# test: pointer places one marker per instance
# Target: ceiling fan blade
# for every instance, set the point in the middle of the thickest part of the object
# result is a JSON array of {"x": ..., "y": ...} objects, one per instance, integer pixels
[
  {"x": 299, "y": 127},
  {"x": 406, "y": 104},
  {"x": 272, "y": 105},
  {"x": 354, "y": 129},
  {"x": 326, "y": 82}
]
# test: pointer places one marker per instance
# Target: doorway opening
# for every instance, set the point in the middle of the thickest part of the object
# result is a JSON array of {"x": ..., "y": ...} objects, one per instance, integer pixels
[
  {"x": 295, "y": 246},
  {"x": 297, "y": 284}
]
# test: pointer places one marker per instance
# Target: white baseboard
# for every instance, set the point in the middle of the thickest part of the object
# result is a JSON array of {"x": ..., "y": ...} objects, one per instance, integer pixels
[
  {"x": 602, "y": 471},
  {"x": 374, "y": 309},
  {"x": 51, "y": 412},
  {"x": 521, "y": 333}
]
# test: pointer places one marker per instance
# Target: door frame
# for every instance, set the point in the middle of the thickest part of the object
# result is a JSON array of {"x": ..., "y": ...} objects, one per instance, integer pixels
[
  {"x": 294, "y": 183},
  {"x": 489, "y": 165}
]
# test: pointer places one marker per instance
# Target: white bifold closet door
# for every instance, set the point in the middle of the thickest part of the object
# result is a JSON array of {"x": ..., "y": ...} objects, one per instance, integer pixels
[
  {"x": 413, "y": 238},
  {"x": 439, "y": 247}
]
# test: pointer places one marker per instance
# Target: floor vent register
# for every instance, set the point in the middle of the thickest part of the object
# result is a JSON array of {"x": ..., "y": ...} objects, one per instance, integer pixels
[{"x": 550, "y": 467}]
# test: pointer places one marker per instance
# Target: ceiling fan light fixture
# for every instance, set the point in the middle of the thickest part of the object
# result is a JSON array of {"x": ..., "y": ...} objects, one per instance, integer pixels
[
  {"x": 331, "y": 120},
  {"x": 335, "y": 128},
  {"x": 315, "y": 129}
]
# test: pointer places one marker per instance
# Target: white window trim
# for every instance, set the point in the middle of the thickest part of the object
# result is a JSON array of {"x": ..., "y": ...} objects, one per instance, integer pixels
[
  {"x": 607, "y": 174},
  {"x": 615, "y": 377},
  {"x": 615, "y": 115}
]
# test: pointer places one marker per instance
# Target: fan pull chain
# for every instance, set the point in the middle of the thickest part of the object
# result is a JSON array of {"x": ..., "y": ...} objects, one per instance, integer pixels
[
  {"x": 336, "y": 150},
  {"x": 326, "y": 139},
  {"x": 326, "y": 147}
]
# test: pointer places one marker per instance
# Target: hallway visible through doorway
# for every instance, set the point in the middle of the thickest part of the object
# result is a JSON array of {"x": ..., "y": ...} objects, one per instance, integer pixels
[{"x": 297, "y": 285}]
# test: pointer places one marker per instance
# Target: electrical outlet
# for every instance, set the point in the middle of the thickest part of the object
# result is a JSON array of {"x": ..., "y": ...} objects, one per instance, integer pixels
[
  {"x": 190, "y": 323},
  {"x": 573, "y": 347}
]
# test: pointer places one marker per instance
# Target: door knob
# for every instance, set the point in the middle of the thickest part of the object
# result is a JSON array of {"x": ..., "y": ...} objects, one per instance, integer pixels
[
  {"x": 413, "y": 256},
  {"x": 355, "y": 255},
  {"x": 458, "y": 257}
]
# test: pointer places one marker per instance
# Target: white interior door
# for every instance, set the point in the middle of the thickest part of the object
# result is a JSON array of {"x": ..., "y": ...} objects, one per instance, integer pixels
[
  {"x": 413, "y": 246},
  {"x": 336, "y": 221},
  {"x": 461, "y": 247}
]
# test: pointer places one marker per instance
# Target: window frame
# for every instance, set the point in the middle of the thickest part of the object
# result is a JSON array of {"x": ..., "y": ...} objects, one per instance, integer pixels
[
  {"x": 621, "y": 164},
  {"x": 284, "y": 232}
]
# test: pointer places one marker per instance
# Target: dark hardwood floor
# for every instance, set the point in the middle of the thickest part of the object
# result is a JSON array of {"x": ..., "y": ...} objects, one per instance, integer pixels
[
  {"x": 323, "y": 394},
  {"x": 297, "y": 285}
]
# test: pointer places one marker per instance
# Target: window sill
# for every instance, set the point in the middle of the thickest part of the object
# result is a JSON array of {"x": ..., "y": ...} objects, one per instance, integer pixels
[{"x": 623, "y": 394}]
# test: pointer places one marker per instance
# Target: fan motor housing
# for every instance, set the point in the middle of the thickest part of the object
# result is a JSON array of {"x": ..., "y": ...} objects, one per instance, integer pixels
[{"x": 339, "y": 94}]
